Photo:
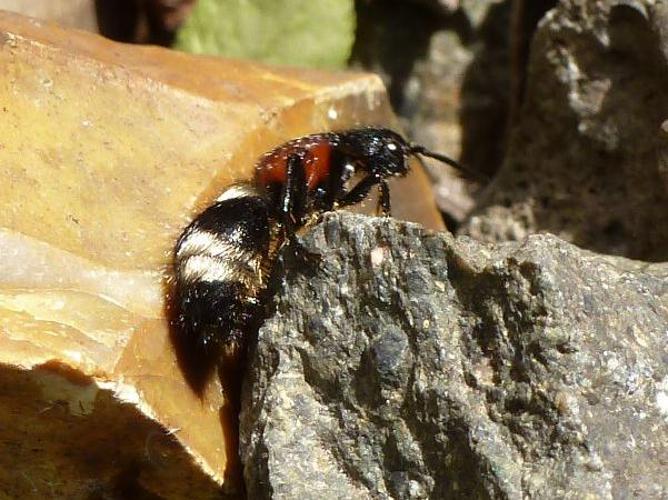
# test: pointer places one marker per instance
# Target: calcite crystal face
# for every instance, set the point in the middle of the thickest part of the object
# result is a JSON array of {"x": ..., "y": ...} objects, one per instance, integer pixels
[{"x": 107, "y": 151}]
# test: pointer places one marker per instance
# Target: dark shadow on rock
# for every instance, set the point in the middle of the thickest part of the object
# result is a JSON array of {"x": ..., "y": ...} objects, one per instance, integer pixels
[
  {"x": 633, "y": 195},
  {"x": 526, "y": 15},
  {"x": 493, "y": 86},
  {"x": 141, "y": 21},
  {"x": 393, "y": 35},
  {"x": 485, "y": 94},
  {"x": 231, "y": 372},
  {"x": 127, "y": 485},
  {"x": 117, "y": 20}
]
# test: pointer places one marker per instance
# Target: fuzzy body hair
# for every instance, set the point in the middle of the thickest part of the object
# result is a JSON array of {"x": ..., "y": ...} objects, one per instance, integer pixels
[{"x": 222, "y": 262}]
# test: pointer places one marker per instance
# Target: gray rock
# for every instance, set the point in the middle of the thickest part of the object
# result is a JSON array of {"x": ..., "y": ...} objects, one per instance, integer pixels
[
  {"x": 589, "y": 158},
  {"x": 414, "y": 365}
]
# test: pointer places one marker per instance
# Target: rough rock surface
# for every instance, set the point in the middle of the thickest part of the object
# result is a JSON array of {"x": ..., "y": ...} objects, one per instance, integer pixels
[
  {"x": 106, "y": 152},
  {"x": 589, "y": 159},
  {"x": 416, "y": 365}
]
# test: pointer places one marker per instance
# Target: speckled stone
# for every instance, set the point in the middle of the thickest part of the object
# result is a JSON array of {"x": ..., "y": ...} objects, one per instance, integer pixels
[{"x": 409, "y": 364}]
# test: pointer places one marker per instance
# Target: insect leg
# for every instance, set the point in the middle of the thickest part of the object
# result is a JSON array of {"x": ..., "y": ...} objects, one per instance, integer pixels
[
  {"x": 360, "y": 191},
  {"x": 293, "y": 207},
  {"x": 383, "y": 207},
  {"x": 340, "y": 173},
  {"x": 293, "y": 195}
]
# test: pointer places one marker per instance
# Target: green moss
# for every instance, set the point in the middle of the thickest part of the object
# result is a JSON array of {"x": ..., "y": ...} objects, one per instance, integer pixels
[{"x": 314, "y": 33}]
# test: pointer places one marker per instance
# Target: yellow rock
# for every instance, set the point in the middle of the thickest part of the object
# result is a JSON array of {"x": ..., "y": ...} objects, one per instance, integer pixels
[{"x": 106, "y": 152}]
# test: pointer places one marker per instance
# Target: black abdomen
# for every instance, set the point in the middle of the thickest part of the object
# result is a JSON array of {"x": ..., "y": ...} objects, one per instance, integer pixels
[{"x": 220, "y": 262}]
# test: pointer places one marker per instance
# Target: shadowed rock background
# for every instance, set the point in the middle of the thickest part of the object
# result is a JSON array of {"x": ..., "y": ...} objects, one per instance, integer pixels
[
  {"x": 525, "y": 358},
  {"x": 588, "y": 159}
]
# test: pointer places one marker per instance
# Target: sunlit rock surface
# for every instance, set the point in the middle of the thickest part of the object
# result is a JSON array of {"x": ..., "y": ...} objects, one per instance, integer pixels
[
  {"x": 106, "y": 152},
  {"x": 409, "y": 364}
]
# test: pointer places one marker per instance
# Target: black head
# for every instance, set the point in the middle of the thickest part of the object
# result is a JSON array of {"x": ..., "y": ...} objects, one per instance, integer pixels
[
  {"x": 386, "y": 153},
  {"x": 379, "y": 150}
]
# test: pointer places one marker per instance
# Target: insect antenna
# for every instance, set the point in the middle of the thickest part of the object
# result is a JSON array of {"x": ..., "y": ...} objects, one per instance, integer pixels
[{"x": 421, "y": 150}]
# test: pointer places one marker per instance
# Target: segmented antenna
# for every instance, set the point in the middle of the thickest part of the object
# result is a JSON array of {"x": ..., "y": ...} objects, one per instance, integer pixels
[{"x": 421, "y": 150}]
